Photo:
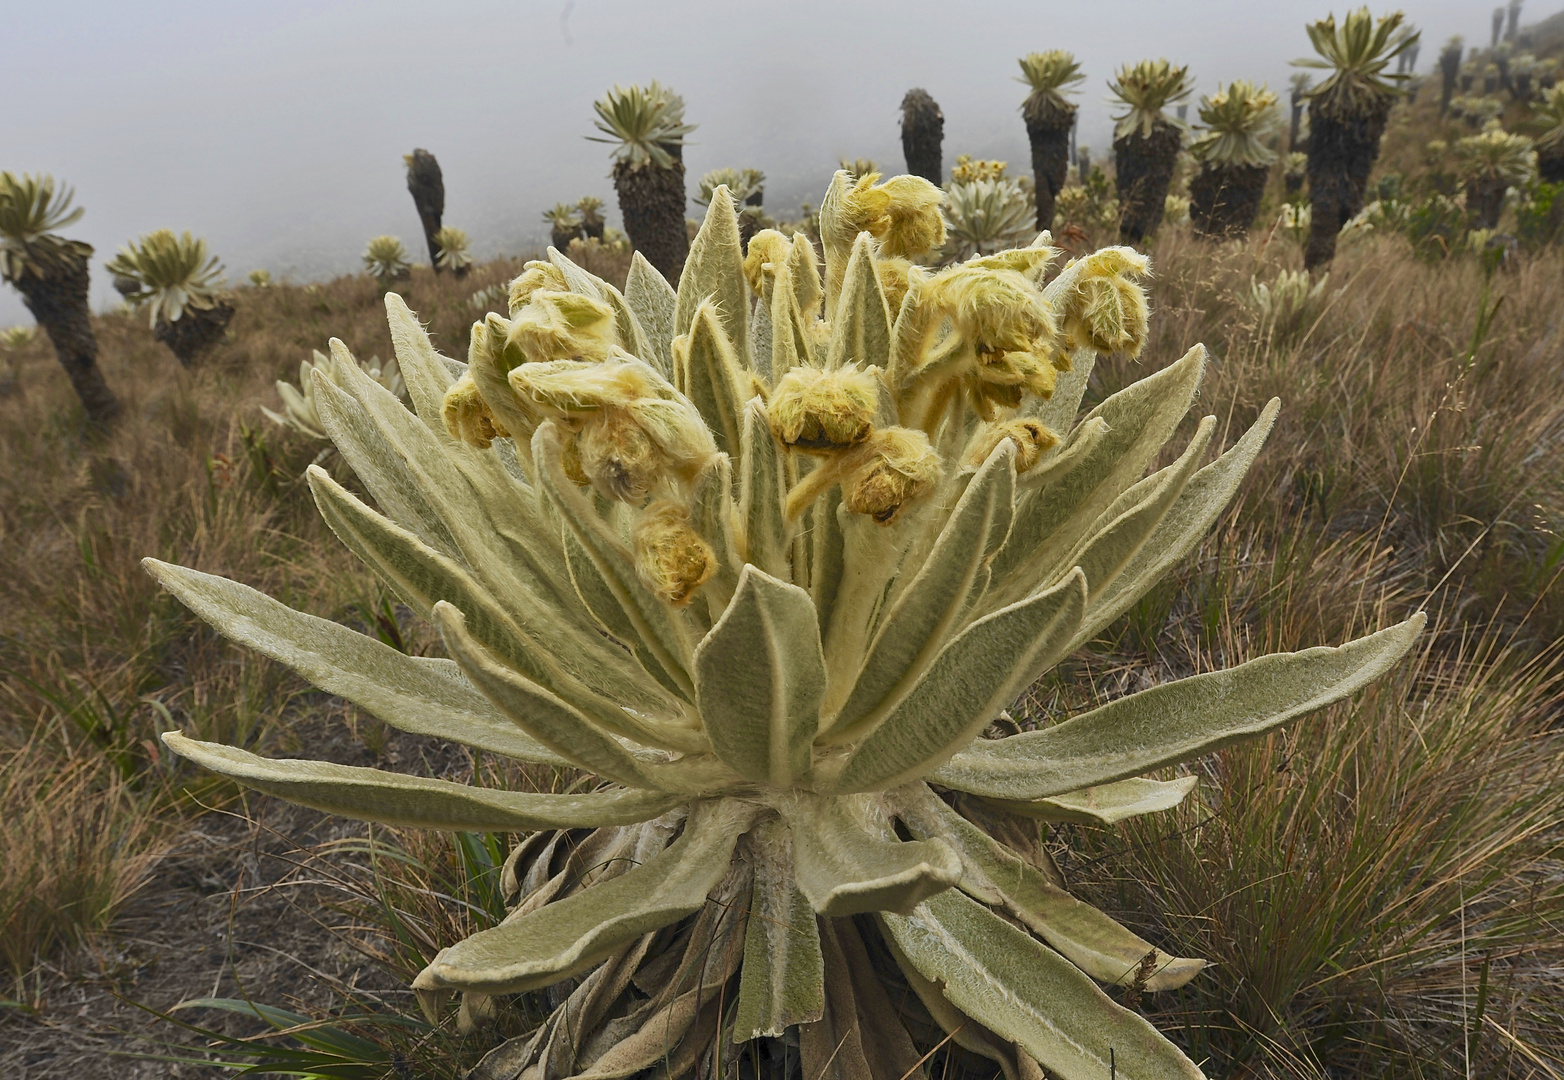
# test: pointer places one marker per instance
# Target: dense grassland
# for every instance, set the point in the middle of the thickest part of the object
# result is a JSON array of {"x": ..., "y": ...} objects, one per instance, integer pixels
[{"x": 1380, "y": 887}]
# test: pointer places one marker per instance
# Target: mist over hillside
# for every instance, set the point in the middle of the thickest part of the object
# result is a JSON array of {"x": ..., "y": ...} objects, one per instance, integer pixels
[{"x": 277, "y": 131}]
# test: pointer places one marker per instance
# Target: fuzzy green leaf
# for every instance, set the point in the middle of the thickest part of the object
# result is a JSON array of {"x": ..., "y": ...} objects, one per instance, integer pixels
[
  {"x": 662, "y": 633},
  {"x": 861, "y": 327},
  {"x": 653, "y": 300},
  {"x": 1105, "y": 804},
  {"x": 568, "y": 936},
  {"x": 760, "y": 678},
  {"x": 411, "y": 693},
  {"x": 997, "y": 876},
  {"x": 844, "y": 869},
  {"x": 416, "y": 801},
  {"x": 974, "y": 677},
  {"x": 545, "y": 717},
  {"x": 714, "y": 271},
  {"x": 422, "y": 577},
  {"x": 425, "y": 372},
  {"x": 931, "y": 607},
  {"x": 783, "y": 981},
  {"x": 707, "y": 371},
  {"x": 1126, "y": 531},
  {"x": 1049, "y": 524},
  {"x": 762, "y": 494},
  {"x": 1176, "y": 721},
  {"x": 1186, "y": 522},
  {"x": 1048, "y": 1006}
]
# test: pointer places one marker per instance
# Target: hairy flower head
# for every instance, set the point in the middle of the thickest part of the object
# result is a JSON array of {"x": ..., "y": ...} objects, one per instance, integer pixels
[
  {"x": 823, "y": 411},
  {"x": 1106, "y": 308},
  {"x": 534, "y": 276},
  {"x": 671, "y": 558},
  {"x": 559, "y": 325},
  {"x": 902, "y": 213},
  {"x": 467, "y": 416},
  {"x": 766, "y": 248},
  {"x": 1031, "y": 437},
  {"x": 895, "y": 468}
]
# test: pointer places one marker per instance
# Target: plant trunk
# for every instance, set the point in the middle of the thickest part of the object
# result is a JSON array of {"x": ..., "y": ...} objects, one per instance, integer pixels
[
  {"x": 651, "y": 198},
  {"x": 427, "y": 186},
  {"x": 1342, "y": 150},
  {"x": 1449, "y": 71},
  {"x": 1485, "y": 201},
  {"x": 1550, "y": 165},
  {"x": 1144, "y": 167},
  {"x": 592, "y": 230},
  {"x": 59, "y": 302},
  {"x": 1050, "y": 139},
  {"x": 922, "y": 132},
  {"x": 561, "y": 238},
  {"x": 194, "y": 332},
  {"x": 1225, "y": 199}
]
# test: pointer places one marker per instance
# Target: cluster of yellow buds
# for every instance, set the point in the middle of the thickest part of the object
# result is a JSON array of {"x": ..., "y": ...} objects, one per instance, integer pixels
[{"x": 880, "y": 377}]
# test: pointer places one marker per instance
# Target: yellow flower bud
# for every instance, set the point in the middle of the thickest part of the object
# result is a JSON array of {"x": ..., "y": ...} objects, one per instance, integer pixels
[
  {"x": 994, "y": 310},
  {"x": 1106, "y": 309},
  {"x": 671, "y": 559},
  {"x": 467, "y": 417},
  {"x": 914, "y": 225},
  {"x": 535, "y": 275},
  {"x": 635, "y": 429},
  {"x": 563, "y": 325},
  {"x": 824, "y": 411},
  {"x": 902, "y": 213},
  {"x": 617, "y": 456},
  {"x": 766, "y": 248},
  {"x": 1031, "y": 439},
  {"x": 897, "y": 466}
]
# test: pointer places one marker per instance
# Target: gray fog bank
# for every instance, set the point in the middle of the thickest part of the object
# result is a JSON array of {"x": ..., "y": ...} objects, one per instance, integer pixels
[{"x": 276, "y": 130}]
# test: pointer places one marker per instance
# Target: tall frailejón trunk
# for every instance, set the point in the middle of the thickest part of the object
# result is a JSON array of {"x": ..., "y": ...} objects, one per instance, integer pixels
[
  {"x": 922, "y": 134},
  {"x": 1048, "y": 130},
  {"x": 1224, "y": 199},
  {"x": 560, "y": 237},
  {"x": 58, "y": 300},
  {"x": 1342, "y": 149},
  {"x": 427, "y": 186},
  {"x": 651, "y": 199},
  {"x": 1550, "y": 166},
  {"x": 1449, "y": 71},
  {"x": 1144, "y": 167},
  {"x": 194, "y": 332}
]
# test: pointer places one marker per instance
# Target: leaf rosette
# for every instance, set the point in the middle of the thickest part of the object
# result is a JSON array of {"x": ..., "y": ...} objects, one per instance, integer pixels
[{"x": 766, "y": 554}]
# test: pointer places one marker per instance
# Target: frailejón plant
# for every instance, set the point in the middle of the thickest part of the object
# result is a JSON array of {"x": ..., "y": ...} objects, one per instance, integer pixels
[
  {"x": 645, "y": 125},
  {"x": 426, "y": 184},
  {"x": 386, "y": 260},
  {"x": 986, "y": 214},
  {"x": 1347, "y": 115},
  {"x": 1490, "y": 164},
  {"x": 52, "y": 274},
  {"x": 178, "y": 283},
  {"x": 771, "y": 595},
  {"x": 454, "y": 250},
  {"x": 922, "y": 135},
  {"x": 1234, "y": 160},
  {"x": 564, "y": 223},
  {"x": 1146, "y": 141},
  {"x": 1049, "y": 115}
]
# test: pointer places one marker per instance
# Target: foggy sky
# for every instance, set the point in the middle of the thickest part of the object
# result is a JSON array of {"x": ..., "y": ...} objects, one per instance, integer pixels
[{"x": 277, "y": 129}]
